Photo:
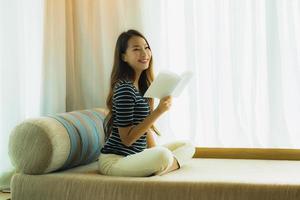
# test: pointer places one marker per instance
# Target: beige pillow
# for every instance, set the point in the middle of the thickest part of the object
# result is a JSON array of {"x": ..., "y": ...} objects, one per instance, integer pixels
[{"x": 61, "y": 141}]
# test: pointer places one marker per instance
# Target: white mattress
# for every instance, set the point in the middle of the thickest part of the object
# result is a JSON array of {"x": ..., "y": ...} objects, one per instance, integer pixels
[{"x": 201, "y": 179}]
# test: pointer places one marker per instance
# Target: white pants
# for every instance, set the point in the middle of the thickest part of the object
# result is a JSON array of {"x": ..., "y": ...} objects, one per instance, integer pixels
[{"x": 155, "y": 160}]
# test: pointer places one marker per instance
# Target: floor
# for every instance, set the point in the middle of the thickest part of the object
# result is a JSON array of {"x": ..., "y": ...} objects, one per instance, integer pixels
[{"x": 4, "y": 196}]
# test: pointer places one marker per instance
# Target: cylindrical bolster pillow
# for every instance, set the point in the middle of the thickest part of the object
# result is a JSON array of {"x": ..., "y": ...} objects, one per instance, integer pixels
[{"x": 57, "y": 142}]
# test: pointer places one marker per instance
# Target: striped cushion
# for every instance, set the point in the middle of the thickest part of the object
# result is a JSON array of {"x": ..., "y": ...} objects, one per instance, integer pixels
[{"x": 57, "y": 142}]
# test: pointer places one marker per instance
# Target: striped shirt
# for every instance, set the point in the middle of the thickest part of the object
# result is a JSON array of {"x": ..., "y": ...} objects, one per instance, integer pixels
[{"x": 129, "y": 108}]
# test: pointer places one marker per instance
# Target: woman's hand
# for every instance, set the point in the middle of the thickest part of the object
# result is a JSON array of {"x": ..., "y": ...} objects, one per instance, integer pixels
[{"x": 164, "y": 104}]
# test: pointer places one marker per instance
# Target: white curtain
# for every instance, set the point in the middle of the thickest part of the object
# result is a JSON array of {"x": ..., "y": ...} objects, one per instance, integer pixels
[
  {"x": 56, "y": 56},
  {"x": 245, "y": 56},
  {"x": 21, "y": 28},
  {"x": 32, "y": 79}
]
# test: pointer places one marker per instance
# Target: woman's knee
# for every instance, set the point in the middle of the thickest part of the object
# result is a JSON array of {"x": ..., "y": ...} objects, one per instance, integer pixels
[
  {"x": 164, "y": 156},
  {"x": 179, "y": 144},
  {"x": 186, "y": 143}
]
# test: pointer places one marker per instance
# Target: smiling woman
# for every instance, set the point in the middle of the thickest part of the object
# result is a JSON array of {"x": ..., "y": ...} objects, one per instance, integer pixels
[{"x": 130, "y": 148}]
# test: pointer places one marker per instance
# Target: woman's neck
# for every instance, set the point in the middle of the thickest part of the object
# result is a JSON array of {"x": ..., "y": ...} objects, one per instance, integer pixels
[{"x": 136, "y": 82}]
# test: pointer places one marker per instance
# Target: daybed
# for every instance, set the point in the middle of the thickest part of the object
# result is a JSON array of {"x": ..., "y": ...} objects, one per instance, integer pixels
[{"x": 51, "y": 168}]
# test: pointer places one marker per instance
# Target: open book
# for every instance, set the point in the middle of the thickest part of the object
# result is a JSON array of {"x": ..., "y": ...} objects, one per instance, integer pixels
[{"x": 168, "y": 84}]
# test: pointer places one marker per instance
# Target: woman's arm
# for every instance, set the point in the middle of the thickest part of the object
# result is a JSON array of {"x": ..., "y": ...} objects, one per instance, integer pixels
[
  {"x": 150, "y": 139},
  {"x": 131, "y": 134}
]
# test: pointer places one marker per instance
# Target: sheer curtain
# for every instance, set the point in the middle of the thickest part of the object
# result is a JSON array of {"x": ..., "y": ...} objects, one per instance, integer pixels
[
  {"x": 21, "y": 28},
  {"x": 246, "y": 64}
]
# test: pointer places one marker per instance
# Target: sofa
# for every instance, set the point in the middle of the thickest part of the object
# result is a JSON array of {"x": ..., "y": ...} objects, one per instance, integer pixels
[{"x": 56, "y": 158}]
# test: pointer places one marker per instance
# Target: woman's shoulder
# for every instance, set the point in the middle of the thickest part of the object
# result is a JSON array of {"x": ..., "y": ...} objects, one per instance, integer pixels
[{"x": 124, "y": 85}]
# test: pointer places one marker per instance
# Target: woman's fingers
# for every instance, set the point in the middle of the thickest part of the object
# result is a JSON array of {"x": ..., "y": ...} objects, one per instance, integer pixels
[
  {"x": 165, "y": 104},
  {"x": 167, "y": 101}
]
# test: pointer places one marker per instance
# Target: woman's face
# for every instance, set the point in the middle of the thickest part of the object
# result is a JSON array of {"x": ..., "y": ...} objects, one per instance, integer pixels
[{"x": 138, "y": 54}]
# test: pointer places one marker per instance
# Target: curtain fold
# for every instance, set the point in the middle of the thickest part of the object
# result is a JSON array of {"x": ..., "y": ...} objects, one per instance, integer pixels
[
  {"x": 53, "y": 99},
  {"x": 91, "y": 31}
]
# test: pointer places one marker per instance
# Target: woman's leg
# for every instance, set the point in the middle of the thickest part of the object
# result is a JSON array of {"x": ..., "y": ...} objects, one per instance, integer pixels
[
  {"x": 183, "y": 151},
  {"x": 156, "y": 160}
]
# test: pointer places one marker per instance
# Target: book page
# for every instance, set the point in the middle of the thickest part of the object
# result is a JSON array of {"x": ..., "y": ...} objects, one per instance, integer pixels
[
  {"x": 163, "y": 85},
  {"x": 185, "y": 79}
]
